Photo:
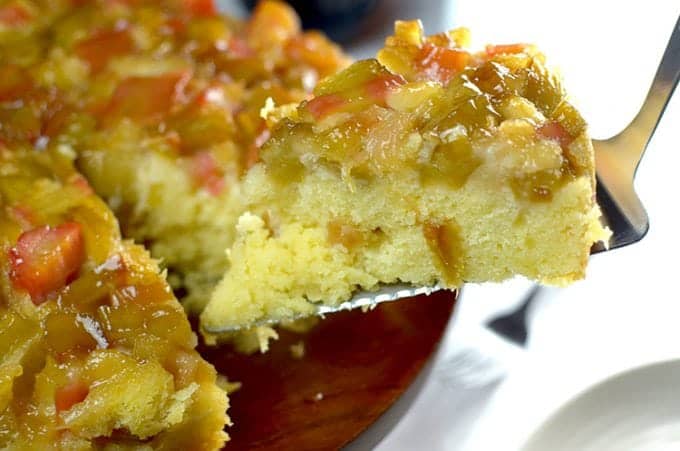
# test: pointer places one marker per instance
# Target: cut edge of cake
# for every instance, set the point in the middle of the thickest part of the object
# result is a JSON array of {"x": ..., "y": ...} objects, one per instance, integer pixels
[{"x": 432, "y": 164}]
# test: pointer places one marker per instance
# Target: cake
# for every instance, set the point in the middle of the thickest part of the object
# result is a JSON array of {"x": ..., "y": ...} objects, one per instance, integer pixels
[
  {"x": 163, "y": 111},
  {"x": 95, "y": 351},
  {"x": 151, "y": 151},
  {"x": 430, "y": 164},
  {"x": 176, "y": 99}
]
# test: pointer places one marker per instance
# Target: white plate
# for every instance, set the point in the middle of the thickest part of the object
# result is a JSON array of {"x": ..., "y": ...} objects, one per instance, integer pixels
[{"x": 635, "y": 410}]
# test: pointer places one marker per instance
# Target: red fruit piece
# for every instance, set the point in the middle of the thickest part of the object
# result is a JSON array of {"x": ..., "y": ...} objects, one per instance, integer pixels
[
  {"x": 14, "y": 15},
  {"x": 46, "y": 259},
  {"x": 147, "y": 99},
  {"x": 68, "y": 395},
  {"x": 324, "y": 105},
  {"x": 14, "y": 82},
  {"x": 103, "y": 45},
  {"x": 206, "y": 172},
  {"x": 556, "y": 132},
  {"x": 378, "y": 88},
  {"x": 200, "y": 8},
  {"x": 440, "y": 63},
  {"x": 493, "y": 50}
]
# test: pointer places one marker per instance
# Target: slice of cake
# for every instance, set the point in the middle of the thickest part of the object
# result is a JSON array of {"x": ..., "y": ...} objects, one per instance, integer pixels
[
  {"x": 95, "y": 351},
  {"x": 431, "y": 164}
]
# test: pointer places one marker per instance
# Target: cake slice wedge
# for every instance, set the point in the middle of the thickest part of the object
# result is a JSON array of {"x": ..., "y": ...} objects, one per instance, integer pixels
[
  {"x": 431, "y": 164},
  {"x": 95, "y": 351}
]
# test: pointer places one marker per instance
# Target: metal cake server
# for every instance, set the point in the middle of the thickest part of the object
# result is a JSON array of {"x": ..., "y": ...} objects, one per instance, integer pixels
[{"x": 616, "y": 161}]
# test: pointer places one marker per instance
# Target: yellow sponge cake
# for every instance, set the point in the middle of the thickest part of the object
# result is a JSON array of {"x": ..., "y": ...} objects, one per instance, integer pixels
[{"x": 429, "y": 165}]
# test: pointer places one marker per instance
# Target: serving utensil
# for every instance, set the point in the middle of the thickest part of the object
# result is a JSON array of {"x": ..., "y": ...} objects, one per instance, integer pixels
[{"x": 616, "y": 161}]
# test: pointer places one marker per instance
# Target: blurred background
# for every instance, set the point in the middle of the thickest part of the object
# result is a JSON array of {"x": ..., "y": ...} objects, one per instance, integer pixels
[{"x": 484, "y": 392}]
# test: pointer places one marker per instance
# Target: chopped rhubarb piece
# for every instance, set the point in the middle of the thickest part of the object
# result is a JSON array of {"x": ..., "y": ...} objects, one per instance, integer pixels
[
  {"x": 312, "y": 49},
  {"x": 263, "y": 136},
  {"x": 253, "y": 152},
  {"x": 147, "y": 99},
  {"x": 239, "y": 48},
  {"x": 81, "y": 183},
  {"x": 14, "y": 82},
  {"x": 103, "y": 45},
  {"x": 441, "y": 64},
  {"x": 272, "y": 23},
  {"x": 14, "y": 15},
  {"x": 55, "y": 120},
  {"x": 46, "y": 259},
  {"x": 200, "y": 8},
  {"x": 378, "y": 88},
  {"x": 556, "y": 132},
  {"x": 69, "y": 395},
  {"x": 200, "y": 127},
  {"x": 324, "y": 105},
  {"x": 493, "y": 50},
  {"x": 206, "y": 173},
  {"x": 175, "y": 25}
]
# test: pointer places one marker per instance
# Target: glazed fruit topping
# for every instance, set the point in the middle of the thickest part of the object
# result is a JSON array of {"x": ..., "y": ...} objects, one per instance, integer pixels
[
  {"x": 103, "y": 45},
  {"x": 441, "y": 64},
  {"x": 200, "y": 8},
  {"x": 14, "y": 15},
  {"x": 14, "y": 81},
  {"x": 47, "y": 258},
  {"x": 70, "y": 394},
  {"x": 493, "y": 50},
  {"x": 555, "y": 131},
  {"x": 207, "y": 173},
  {"x": 324, "y": 105},
  {"x": 380, "y": 87},
  {"x": 147, "y": 99}
]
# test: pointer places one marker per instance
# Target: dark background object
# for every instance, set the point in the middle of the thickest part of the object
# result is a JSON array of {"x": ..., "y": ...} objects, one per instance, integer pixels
[
  {"x": 339, "y": 19},
  {"x": 513, "y": 326}
]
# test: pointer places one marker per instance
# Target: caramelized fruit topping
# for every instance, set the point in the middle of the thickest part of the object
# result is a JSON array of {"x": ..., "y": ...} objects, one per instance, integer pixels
[
  {"x": 428, "y": 107},
  {"x": 46, "y": 259}
]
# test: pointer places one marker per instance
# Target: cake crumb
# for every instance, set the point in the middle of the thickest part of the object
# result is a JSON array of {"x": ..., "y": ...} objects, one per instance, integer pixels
[
  {"x": 250, "y": 340},
  {"x": 297, "y": 350},
  {"x": 228, "y": 386},
  {"x": 300, "y": 325},
  {"x": 264, "y": 334}
]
